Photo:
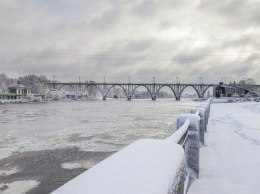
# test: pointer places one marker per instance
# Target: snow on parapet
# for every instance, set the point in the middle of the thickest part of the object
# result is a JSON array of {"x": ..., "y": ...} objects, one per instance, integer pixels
[
  {"x": 143, "y": 167},
  {"x": 192, "y": 117},
  {"x": 177, "y": 135}
]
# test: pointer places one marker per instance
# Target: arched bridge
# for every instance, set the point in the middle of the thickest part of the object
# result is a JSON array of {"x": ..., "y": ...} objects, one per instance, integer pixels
[{"x": 129, "y": 88}]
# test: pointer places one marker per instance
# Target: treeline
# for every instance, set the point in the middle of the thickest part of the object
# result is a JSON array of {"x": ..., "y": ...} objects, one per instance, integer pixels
[
  {"x": 36, "y": 83},
  {"x": 6, "y": 82}
]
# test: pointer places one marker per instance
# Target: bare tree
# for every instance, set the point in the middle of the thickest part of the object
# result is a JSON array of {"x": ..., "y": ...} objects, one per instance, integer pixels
[
  {"x": 5, "y": 82},
  {"x": 35, "y": 82},
  {"x": 92, "y": 90},
  {"x": 247, "y": 81}
]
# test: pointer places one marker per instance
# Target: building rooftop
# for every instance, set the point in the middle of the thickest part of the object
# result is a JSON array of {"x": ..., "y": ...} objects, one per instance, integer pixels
[{"x": 18, "y": 85}]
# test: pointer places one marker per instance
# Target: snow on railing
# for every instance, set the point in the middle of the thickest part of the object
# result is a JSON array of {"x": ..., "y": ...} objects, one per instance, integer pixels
[
  {"x": 149, "y": 166},
  {"x": 178, "y": 135}
]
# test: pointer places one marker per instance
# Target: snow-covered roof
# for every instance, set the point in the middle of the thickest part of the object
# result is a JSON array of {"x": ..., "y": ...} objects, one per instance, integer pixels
[{"x": 19, "y": 86}]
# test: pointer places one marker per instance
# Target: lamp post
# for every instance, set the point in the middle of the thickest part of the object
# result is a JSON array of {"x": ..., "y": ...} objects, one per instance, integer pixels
[
  {"x": 177, "y": 80},
  {"x": 201, "y": 80}
]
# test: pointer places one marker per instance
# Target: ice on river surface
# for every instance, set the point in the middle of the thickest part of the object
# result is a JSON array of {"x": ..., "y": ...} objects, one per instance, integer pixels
[{"x": 95, "y": 125}]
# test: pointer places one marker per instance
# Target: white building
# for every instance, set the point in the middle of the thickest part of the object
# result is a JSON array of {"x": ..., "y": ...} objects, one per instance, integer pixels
[{"x": 18, "y": 91}]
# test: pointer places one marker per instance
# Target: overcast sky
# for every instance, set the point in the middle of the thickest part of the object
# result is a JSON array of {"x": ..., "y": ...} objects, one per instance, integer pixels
[{"x": 138, "y": 38}]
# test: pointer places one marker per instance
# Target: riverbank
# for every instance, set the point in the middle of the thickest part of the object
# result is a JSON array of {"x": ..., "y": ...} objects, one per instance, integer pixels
[
  {"x": 23, "y": 100},
  {"x": 230, "y": 159}
]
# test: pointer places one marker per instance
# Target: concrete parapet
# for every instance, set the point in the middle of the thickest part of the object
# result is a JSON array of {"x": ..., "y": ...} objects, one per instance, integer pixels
[
  {"x": 193, "y": 145},
  {"x": 206, "y": 107},
  {"x": 203, "y": 124}
]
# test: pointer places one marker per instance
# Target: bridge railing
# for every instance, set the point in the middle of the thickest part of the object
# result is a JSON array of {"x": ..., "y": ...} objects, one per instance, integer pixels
[{"x": 149, "y": 166}]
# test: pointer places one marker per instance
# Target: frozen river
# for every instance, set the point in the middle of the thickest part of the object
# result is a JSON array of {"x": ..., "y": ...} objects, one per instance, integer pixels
[{"x": 43, "y": 145}]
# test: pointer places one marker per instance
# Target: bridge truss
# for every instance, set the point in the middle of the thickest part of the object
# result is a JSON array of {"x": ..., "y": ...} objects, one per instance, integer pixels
[{"x": 129, "y": 88}]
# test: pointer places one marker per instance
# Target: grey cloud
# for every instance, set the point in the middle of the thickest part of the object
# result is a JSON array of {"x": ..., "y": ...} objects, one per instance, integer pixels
[
  {"x": 243, "y": 41},
  {"x": 188, "y": 59},
  {"x": 137, "y": 38},
  {"x": 153, "y": 8},
  {"x": 107, "y": 20},
  {"x": 242, "y": 67},
  {"x": 145, "y": 9},
  {"x": 234, "y": 13}
]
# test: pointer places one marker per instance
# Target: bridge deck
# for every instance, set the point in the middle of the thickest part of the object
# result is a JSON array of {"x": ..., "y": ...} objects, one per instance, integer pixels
[{"x": 230, "y": 160}]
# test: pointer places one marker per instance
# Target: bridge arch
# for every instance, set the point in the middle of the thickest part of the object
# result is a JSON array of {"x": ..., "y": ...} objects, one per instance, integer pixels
[
  {"x": 157, "y": 91},
  {"x": 133, "y": 91},
  {"x": 66, "y": 85},
  {"x": 94, "y": 86},
  {"x": 116, "y": 85},
  {"x": 192, "y": 87},
  {"x": 204, "y": 91}
]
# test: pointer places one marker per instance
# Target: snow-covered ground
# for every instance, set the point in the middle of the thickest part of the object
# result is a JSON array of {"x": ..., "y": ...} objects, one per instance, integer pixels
[{"x": 230, "y": 160}]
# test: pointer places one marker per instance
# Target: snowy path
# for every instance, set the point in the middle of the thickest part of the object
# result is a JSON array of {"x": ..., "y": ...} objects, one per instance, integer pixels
[{"x": 230, "y": 160}]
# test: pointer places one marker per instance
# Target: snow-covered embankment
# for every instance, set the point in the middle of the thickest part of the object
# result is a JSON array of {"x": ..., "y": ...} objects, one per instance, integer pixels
[{"x": 230, "y": 159}]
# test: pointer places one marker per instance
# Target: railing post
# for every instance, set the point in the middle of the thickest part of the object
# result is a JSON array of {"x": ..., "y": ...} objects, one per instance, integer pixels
[
  {"x": 207, "y": 109},
  {"x": 193, "y": 145},
  {"x": 203, "y": 121}
]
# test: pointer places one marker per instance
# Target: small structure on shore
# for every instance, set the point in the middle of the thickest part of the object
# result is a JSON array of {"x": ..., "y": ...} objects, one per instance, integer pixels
[{"x": 20, "y": 92}]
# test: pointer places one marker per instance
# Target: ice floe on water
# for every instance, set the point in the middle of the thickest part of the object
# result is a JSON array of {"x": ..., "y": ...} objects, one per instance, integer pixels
[
  {"x": 5, "y": 173},
  {"x": 82, "y": 164},
  {"x": 20, "y": 187},
  {"x": 55, "y": 123}
]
